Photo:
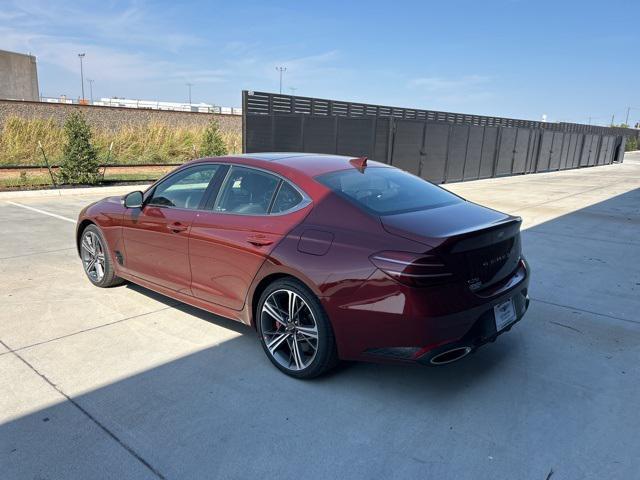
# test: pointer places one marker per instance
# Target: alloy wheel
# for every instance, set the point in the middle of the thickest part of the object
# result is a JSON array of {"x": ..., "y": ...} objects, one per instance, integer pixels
[
  {"x": 289, "y": 329},
  {"x": 93, "y": 256}
]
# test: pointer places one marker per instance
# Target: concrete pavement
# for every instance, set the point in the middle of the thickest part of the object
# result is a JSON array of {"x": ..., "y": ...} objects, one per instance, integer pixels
[{"x": 124, "y": 383}]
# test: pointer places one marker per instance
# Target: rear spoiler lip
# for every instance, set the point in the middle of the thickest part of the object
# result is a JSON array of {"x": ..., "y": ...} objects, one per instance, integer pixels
[{"x": 479, "y": 237}]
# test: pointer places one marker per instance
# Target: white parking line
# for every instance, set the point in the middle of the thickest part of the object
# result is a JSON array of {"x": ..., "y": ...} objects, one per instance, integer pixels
[{"x": 42, "y": 212}]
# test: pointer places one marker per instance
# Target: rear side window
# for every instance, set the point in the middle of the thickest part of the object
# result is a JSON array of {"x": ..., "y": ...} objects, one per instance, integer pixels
[
  {"x": 387, "y": 191},
  {"x": 287, "y": 198}
]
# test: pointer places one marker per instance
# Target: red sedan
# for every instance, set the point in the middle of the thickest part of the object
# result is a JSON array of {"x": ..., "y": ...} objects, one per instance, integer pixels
[{"x": 327, "y": 257}]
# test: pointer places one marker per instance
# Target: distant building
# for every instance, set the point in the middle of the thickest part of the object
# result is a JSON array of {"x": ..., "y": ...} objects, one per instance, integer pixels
[
  {"x": 157, "y": 105},
  {"x": 18, "y": 76}
]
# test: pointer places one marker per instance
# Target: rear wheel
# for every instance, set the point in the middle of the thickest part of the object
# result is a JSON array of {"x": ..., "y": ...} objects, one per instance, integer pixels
[
  {"x": 294, "y": 330},
  {"x": 96, "y": 259}
]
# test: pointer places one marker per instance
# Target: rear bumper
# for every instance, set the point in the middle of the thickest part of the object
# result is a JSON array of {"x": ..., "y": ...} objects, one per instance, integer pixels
[
  {"x": 415, "y": 325},
  {"x": 482, "y": 331}
]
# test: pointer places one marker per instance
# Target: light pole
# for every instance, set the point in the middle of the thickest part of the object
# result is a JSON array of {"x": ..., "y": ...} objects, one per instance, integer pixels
[
  {"x": 628, "y": 112},
  {"x": 81, "y": 56},
  {"x": 90, "y": 89},
  {"x": 189, "y": 85},
  {"x": 281, "y": 70}
]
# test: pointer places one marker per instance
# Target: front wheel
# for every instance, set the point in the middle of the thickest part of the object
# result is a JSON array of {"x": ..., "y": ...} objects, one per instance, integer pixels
[
  {"x": 96, "y": 259},
  {"x": 294, "y": 330}
]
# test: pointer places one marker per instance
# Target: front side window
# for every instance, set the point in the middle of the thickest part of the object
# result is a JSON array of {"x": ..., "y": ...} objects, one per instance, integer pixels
[
  {"x": 387, "y": 191},
  {"x": 247, "y": 191},
  {"x": 184, "y": 189}
]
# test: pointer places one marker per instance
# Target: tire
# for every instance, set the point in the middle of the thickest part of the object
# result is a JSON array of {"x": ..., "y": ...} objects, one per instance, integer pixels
[
  {"x": 97, "y": 266},
  {"x": 290, "y": 344}
]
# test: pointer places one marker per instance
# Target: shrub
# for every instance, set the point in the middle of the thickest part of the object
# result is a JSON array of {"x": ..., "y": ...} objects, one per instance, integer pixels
[
  {"x": 213, "y": 144},
  {"x": 632, "y": 144},
  {"x": 79, "y": 159}
]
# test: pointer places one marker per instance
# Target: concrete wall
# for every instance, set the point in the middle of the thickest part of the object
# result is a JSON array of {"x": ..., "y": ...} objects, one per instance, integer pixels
[
  {"x": 18, "y": 76},
  {"x": 114, "y": 118}
]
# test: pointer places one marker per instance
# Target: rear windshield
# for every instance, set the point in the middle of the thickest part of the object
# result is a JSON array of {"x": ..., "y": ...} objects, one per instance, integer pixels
[{"x": 387, "y": 191}]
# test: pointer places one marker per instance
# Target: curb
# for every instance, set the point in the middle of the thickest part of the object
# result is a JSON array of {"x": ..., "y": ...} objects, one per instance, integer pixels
[{"x": 64, "y": 192}]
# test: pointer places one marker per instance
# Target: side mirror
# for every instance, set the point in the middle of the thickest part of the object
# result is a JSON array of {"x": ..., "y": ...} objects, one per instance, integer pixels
[{"x": 133, "y": 200}]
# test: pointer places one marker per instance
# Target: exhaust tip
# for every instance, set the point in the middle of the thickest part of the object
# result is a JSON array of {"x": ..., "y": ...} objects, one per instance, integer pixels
[{"x": 450, "y": 356}]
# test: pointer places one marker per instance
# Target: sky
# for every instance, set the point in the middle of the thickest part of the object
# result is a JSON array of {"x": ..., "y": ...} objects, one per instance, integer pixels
[{"x": 521, "y": 59}]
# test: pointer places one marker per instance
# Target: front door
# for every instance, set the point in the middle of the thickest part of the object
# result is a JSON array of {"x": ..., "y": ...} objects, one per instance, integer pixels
[
  {"x": 156, "y": 236},
  {"x": 228, "y": 244}
]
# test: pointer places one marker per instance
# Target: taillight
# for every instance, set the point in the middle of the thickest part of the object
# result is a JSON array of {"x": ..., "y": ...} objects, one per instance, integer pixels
[{"x": 414, "y": 269}]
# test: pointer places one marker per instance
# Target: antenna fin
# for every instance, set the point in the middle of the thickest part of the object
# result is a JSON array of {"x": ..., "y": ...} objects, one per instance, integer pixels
[{"x": 360, "y": 163}]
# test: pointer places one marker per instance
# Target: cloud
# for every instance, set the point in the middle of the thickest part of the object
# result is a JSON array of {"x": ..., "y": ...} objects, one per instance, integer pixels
[
  {"x": 123, "y": 46},
  {"x": 201, "y": 75},
  {"x": 107, "y": 63},
  {"x": 438, "y": 84},
  {"x": 132, "y": 24},
  {"x": 134, "y": 50},
  {"x": 453, "y": 92},
  {"x": 305, "y": 66}
]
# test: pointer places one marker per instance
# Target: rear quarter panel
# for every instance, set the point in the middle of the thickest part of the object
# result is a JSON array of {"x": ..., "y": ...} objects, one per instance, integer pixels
[{"x": 336, "y": 276}]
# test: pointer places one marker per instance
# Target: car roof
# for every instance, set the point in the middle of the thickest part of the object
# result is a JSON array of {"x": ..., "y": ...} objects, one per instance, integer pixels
[{"x": 309, "y": 164}]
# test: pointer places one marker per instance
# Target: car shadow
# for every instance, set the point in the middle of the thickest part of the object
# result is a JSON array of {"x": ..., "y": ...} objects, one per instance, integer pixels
[
  {"x": 481, "y": 362},
  {"x": 191, "y": 310},
  {"x": 443, "y": 379}
]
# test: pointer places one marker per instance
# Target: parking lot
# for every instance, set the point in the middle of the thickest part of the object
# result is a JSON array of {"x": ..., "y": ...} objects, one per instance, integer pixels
[{"x": 125, "y": 383}]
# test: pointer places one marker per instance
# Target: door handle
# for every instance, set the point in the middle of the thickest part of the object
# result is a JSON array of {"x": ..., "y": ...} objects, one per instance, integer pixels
[
  {"x": 177, "y": 227},
  {"x": 259, "y": 240}
]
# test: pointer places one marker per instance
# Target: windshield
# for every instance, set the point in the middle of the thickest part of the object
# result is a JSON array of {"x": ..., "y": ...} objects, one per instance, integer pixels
[{"x": 387, "y": 191}]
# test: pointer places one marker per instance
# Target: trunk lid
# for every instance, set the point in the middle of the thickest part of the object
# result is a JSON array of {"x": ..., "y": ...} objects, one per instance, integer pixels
[{"x": 479, "y": 245}]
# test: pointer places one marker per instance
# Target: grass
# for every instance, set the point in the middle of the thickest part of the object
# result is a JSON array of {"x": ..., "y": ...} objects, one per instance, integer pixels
[
  {"x": 28, "y": 181},
  {"x": 39, "y": 180},
  {"x": 132, "y": 145}
]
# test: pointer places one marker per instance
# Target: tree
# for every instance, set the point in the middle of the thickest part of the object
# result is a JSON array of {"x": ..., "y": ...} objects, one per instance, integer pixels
[
  {"x": 212, "y": 142},
  {"x": 79, "y": 158}
]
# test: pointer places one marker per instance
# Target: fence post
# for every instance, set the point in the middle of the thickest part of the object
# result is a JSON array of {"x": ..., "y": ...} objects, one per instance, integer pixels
[
  {"x": 466, "y": 152},
  {"x": 484, "y": 132},
  {"x": 514, "y": 150},
  {"x": 537, "y": 150},
  {"x": 106, "y": 163},
  {"x": 374, "y": 134},
  {"x": 423, "y": 149},
  {"x": 564, "y": 135},
  {"x": 244, "y": 121},
  {"x": 527, "y": 155},
  {"x": 584, "y": 139},
  {"x": 46, "y": 162},
  {"x": 446, "y": 158},
  {"x": 598, "y": 150},
  {"x": 391, "y": 138},
  {"x": 496, "y": 153}
]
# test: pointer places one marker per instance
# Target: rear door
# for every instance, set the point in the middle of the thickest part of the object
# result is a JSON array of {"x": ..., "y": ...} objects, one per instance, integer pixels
[
  {"x": 156, "y": 235},
  {"x": 228, "y": 244}
]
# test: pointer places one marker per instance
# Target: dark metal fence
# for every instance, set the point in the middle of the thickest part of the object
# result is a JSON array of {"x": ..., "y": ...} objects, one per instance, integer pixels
[{"x": 439, "y": 146}]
